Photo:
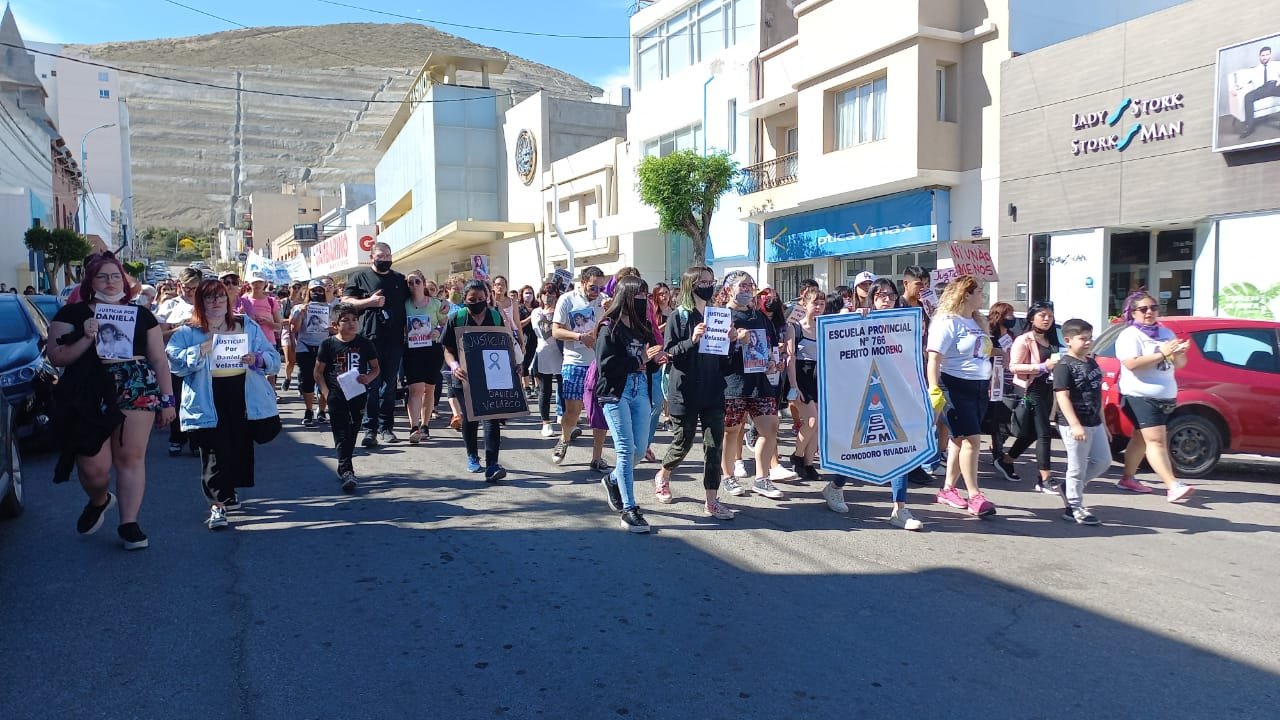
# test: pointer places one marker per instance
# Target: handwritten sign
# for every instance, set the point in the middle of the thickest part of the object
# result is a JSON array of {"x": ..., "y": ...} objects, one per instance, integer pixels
[
  {"x": 939, "y": 278},
  {"x": 228, "y": 351},
  {"x": 492, "y": 388},
  {"x": 975, "y": 261},
  {"x": 715, "y": 338}
]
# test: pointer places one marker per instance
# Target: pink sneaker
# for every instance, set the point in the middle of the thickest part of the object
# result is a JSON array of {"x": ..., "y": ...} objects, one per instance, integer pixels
[
  {"x": 951, "y": 496},
  {"x": 1132, "y": 485},
  {"x": 662, "y": 490},
  {"x": 980, "y": 506},
  {"x": 1179, "y": 491}
]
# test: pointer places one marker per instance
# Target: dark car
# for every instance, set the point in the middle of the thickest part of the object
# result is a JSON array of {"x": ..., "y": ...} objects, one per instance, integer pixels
[
  {"x": 48, "y": 305},
  {"x": 1228, "y": 393},
  {"x": 10, "y": 465},
  {"x": 26, "y": 377}
]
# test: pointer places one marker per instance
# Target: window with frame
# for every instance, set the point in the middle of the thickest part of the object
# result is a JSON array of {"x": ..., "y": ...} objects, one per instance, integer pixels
[
  {"x": 1240, "y": 348},
  {"x": 946, "y": 92},
  {"x": 686, "y": 138},
  {"x": 859, "y": 114},
  {"x": 104, "y": 76},
  {"x": 694, "y": 35},
  {"x": 104, "y": 94}
]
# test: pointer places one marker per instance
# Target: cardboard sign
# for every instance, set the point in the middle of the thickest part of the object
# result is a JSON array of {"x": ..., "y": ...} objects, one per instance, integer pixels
[
  {"x": 228, "y": 351},
  {"x": 492, "y": 389},
  {"x": 975, "y": 261},
  {"x": 116, "y": 326},
  {"x": 883, "y": 425},
  {"x": 715, "y": 339},
  {"x": 997, "y": 379},
  {"x": 939, "y": 278}
]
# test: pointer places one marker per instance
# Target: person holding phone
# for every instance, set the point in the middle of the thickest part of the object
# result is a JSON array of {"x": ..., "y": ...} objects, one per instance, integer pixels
[{"x": 1149, "y": 355}]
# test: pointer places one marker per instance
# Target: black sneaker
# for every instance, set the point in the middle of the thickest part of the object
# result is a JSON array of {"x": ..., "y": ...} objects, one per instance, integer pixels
[
  {"x": 232, "y": 504},
  {"x": 599, "y": 465},
  {"x": 633, "y": 521},
  {"x": 577, "y": 433},
  {"x": 323, "y": 417},
  {"x": 349, "y": 483},
  {"x": 308, "y": 419},
  {"x": 612, "y": 495},
  {"x": 287, "y": 383},
  {"x": 749, "y": 436},
  {"x": 557, "y": 453},
  {"x": 1080, "y": 516},
  {"x": 1005, "y": 469},
  {"x": 91, "y": 517},
  {"x": 133, "y": 537},
  {"x": 370, "y": 439},
  {"x": 494, "y": 473},
  {"x": 919, "y": 477}
]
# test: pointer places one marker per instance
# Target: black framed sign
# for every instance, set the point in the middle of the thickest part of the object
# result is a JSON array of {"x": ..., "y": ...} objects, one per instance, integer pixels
[{"x": 492, "y": 390}]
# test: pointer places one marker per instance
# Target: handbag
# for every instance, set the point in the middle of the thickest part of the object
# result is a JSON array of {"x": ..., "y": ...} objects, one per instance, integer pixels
[{"x": 265, "y": 430}]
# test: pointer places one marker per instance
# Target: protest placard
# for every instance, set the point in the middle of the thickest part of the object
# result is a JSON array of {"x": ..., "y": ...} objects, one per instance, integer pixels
[
  {"x": 974, "y": 261},
  {"x": 419, "y": 331},
  {"x": 882, "y": 425},
  {"x": 116, "y": 326},
  {"x": 715, "y": 338},
  {"x": 492, "y": 388},
  {"x": 755, "y": 351},
  {"x": 229, "y": 351}
]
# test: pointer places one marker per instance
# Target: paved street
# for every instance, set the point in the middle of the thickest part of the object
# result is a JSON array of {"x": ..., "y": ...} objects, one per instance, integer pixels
[{"x": 433, "y": 595}]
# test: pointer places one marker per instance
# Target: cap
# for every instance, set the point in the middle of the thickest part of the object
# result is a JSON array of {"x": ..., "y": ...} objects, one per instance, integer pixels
[
  {"x": 317, "y": 283},
  {"x": 229, "y": 273},
  {"x": 865, "y": 276},
  {"x": 258, "y": 278}
]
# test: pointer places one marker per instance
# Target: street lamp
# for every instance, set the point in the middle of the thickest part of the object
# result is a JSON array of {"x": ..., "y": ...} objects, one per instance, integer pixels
[{"x": 84, "y": 180}]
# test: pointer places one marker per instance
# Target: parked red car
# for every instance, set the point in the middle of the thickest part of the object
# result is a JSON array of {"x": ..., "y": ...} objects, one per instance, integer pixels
[{"x": 1228, "y": 394}]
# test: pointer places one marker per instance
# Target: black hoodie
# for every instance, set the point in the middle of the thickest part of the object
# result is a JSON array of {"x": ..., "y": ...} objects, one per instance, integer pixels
[
  {"x": 696, "y": 380},
  {"x": 619, "y": 353}
]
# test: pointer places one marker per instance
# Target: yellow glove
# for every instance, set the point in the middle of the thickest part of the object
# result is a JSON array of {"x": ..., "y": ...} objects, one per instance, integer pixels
[{"x": 937, "y": 399}]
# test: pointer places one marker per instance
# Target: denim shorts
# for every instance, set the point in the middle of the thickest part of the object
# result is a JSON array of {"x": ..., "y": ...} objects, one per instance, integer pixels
[
  {"x": 573, "y": 381},
  {"x": 967, "y": 404},
  {"x": 1145, "y": 412}
]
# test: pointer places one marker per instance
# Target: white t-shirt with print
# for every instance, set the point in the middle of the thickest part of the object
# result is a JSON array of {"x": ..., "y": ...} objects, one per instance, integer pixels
[
  {"x": 964, "y": 345},
  {"x": 1154, "y": 381},
  {"x": 174, "y": 311},
  {"x": 580, "y": 315}
]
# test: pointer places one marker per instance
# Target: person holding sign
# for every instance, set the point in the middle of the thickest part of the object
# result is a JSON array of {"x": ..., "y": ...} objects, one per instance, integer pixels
[
  {"x": 959, "y": 374},
  {"x": 339, "y": 356},
  {"x": 627, "y": 354},
  {"x": 695, "y": 390},
  {"x": 223, "y": 360},
  {"x": 310, "y": 326},
  {"x": 173, "y": 314},
  {"x": 802, "y": 372},
  {"x": 104, "y": 408},
  {"x": 423, "y": 356},
  {"x": 749, "y": 393},
  {"x": 574, "y": 324},
  {"x": 474, "y": 313}
]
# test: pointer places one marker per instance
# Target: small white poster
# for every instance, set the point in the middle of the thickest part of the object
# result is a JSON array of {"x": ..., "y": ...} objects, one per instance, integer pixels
[
  {"x": 997, "y": 378},
  {"x": 228, "y": 351},
  {"x": 350, "y": 384},
  {"x": 116, "y": 325},
  {"x": 497, "y": 370},
  {"x": 715, "y": 338},
  {"x": 317, "y": 319},
  {"x": 929, "y": 301},
  {"x": 796, "y": 314},
  {"x": 755, "y": 352},
  {"x": 419, "y": 331}
]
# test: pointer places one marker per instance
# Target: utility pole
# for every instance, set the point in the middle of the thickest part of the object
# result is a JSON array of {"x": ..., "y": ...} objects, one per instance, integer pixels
[{"x": 84, "y": 183}]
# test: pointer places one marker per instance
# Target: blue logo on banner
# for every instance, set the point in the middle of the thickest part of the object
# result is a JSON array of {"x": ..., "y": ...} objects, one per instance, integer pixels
[{"x": 877, "y": 424}]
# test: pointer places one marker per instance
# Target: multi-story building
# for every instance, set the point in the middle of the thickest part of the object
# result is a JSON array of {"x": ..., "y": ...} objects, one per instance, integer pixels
[{"x": 273, "y": 216}]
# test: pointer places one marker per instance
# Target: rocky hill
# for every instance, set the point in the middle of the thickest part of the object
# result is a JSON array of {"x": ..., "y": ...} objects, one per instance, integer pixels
[{"x": 199, "y": 152}]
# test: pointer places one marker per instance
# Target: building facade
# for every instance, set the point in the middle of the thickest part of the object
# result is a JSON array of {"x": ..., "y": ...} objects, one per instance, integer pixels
[{"x": 1135, "y": 169}]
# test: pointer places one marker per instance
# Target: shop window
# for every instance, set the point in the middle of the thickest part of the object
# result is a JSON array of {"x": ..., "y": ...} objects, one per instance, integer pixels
[
  {"x": 1130, "y": 268},
  {"x": 1244, "y": 349},
  {"x": 786, "y": 280},
  {"x": 1176, "y": 246},
  {"x": 1039, "y": 289}
]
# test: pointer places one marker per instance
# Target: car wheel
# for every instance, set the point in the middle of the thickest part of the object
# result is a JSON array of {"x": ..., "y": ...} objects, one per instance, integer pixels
[
  {"x": 1195, "y": 445},
  {"x": 11, "y": 505}
]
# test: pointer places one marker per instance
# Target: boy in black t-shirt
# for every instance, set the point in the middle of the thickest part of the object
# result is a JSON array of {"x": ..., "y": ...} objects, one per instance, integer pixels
[
  {"x": 338, "y": 354},
  {"x": 1077, "y": 382}
]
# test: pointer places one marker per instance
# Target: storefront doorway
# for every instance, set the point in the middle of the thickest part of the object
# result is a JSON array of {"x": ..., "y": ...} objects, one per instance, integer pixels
[{"x": 1162, "y": 262}]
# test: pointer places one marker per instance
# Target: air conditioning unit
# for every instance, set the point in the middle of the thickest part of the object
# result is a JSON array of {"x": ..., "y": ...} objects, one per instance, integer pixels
[{"x": 460, "y": 266}]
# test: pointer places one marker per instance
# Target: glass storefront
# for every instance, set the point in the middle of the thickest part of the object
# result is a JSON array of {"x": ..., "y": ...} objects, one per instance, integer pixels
[
  {"x": 1162, "y": 264},
  {"x": 890, "y": 265}
]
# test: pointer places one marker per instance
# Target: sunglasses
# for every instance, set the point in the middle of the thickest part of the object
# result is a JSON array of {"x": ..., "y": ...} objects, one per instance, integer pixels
[
  {"x": 1145, "y": 308},
  {"x": 231, "y": 281},
  {"x": 415, "y": 281}
]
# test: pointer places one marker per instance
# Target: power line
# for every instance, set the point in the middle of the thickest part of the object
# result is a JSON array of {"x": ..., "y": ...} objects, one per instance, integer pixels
[
  {"x": 232, "y": 88},
  {"x": 510, "y": 31}
]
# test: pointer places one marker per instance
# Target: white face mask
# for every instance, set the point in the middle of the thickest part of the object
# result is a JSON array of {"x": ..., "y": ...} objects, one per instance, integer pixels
[{"x": 108, "y": 298}]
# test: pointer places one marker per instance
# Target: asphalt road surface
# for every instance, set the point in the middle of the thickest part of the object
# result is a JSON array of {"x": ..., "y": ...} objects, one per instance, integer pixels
[{"x": 433, "y": 595}]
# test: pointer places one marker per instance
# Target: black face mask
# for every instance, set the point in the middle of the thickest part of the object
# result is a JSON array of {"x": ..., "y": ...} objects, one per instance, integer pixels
[
  {"x": 1010, "y": 323},
  {"x": 706, "y": 293},
  {"x": 317, "y": 296},
  {"x": 382, "y": 265},
  {"x": 642, "y": 307},
  {"x": 477, "y": 307}
]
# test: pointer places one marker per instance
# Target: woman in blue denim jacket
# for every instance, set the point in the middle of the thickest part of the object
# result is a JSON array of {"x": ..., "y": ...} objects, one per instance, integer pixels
[{"x": 224, "y": 360}]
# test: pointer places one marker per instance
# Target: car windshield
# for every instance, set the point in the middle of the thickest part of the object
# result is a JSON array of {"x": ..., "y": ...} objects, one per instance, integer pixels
[
  {"x": 15, "y": 324},
  {"x": 1104, "y": 345}
]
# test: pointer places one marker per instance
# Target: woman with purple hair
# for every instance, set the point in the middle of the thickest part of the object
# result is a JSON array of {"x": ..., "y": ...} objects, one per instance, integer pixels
[{"x": 1149, "y": 354}]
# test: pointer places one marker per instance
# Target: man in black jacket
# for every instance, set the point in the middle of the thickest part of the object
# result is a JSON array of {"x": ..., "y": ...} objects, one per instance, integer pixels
[{"x": 380, "y": 293}]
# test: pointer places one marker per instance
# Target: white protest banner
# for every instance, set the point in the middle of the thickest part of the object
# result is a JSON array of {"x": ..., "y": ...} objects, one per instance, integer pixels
[
  {"x": 882, "y": 425},
  {"x": 974, "y": 261},
  {"x": 715, "y": 338},
  {"x": 228, "y": 351},
  {"x": 116, "y": 325},
  {"x": 297, "y": 268}
]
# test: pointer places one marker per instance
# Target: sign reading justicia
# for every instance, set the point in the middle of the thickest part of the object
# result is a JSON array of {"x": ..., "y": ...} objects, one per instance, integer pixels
[{"x": 1146, "y": 132}]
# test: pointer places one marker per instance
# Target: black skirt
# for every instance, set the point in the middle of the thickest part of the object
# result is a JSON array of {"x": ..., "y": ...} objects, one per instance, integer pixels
[
  {"x": 230, "y": 442},
  {"x": 423, "y": 365}
]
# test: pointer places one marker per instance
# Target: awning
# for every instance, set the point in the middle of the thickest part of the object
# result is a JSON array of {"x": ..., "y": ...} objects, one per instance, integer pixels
[{"x": 462, "y": 235}]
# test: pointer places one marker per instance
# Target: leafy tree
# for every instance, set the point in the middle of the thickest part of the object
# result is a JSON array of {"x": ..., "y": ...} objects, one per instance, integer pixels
[
  {"x": 62, "y": 248},
  {"x": 136, "y": 268},
  {"x": 685, "y": 187}
]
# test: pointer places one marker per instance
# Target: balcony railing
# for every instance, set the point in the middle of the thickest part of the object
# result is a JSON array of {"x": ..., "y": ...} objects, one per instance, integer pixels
[{"x": 770, "y": 174}]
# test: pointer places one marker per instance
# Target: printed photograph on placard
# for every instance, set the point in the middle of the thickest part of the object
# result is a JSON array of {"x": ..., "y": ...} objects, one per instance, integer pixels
[
  {"x": 755, "y": 352},
  {"x": 419, "y": 331},
  {"x": 317, "y": 319},
  {"x": 582, "y": 320},
  {"x": 116, "y": 325},
  {"x": 1247, "y": 102}
]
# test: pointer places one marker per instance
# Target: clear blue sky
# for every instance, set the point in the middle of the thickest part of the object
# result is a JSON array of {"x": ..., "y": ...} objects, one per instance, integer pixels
[{"x": 597, "y": 61}]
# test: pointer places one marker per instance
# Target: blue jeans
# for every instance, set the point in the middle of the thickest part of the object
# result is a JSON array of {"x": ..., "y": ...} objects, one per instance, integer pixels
[
  {"x": 898, "y": 486},
  {"x": 628, "y": 421},
  {"x": 659, "y": 400}
]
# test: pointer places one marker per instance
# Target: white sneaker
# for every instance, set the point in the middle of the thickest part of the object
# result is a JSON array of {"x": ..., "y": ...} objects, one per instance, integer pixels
[
  {"x": 902, "y": 518},
  {"x": 781, "y": 474},
  {"x": 217, "y": 518},
  {"x": 740, "y": 470},
  {"x": 762, "y": 486},
  {"x": 835, "y": 498},
  {"x": 548, "y": 430}
]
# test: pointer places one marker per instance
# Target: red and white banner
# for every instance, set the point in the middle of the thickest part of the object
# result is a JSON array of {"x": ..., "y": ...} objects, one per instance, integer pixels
[
  {"x": 975, "y": 261},
  {"x": 343, "y": 251}
]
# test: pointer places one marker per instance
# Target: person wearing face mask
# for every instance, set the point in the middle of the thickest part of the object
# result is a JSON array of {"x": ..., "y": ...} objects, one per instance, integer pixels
[
  {"x": 475, "y": 312},
  {"x": 173, "y": 314},
  {"x": 1001, "y": 322},
  {"x": 574, "y": 324},
  {"x": 309, "y": 331},
  {"x": 380, "y": 294},
  {"x": 525, "y": 306},
  {"x": 1032, "y": 358}
]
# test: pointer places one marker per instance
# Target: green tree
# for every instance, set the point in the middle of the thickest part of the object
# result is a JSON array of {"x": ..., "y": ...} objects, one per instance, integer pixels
[
  {"x": 684, "y": 188},
  {"x": 62, "y": 248}
]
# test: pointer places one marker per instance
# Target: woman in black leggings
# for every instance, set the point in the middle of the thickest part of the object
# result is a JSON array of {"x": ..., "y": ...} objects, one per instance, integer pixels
[{"x": 1031, "y": 359}]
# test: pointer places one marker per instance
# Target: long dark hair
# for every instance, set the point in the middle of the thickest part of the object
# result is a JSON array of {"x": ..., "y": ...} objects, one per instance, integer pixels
[
  {"x": 623, "y": 305},
  {"x": 884, "y": 285},
  {"x": 207, "y": 289}
]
